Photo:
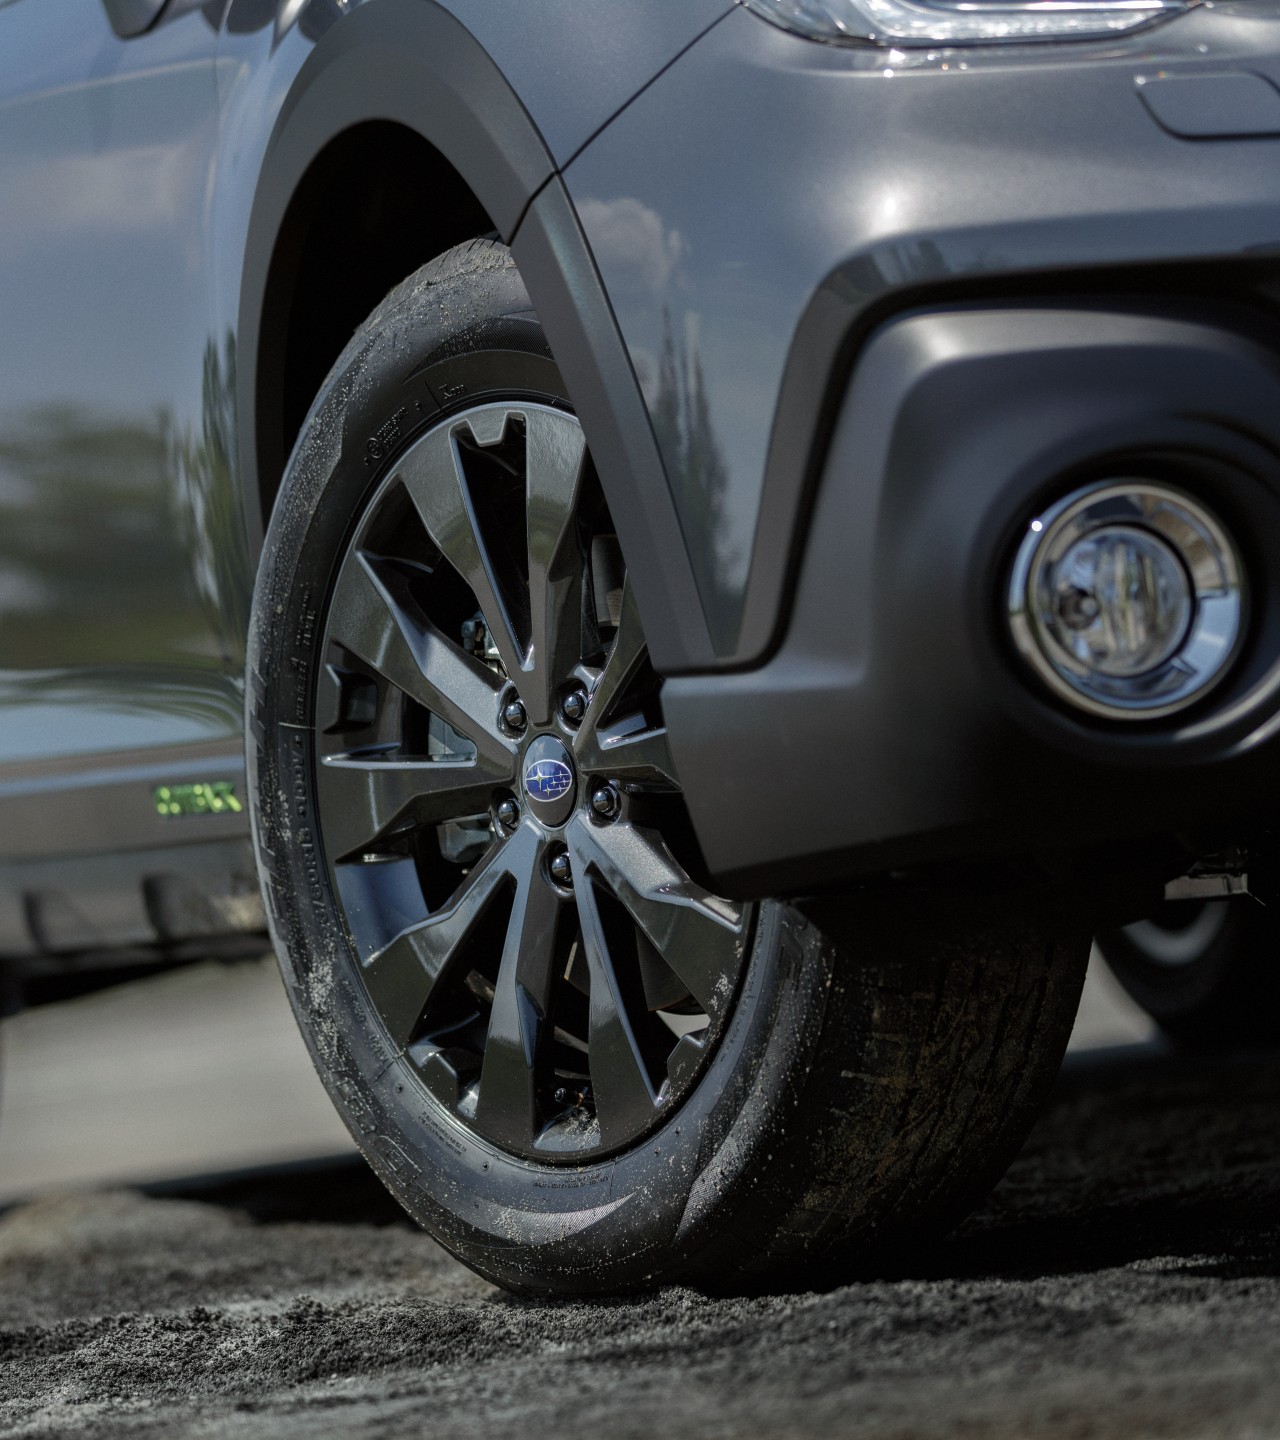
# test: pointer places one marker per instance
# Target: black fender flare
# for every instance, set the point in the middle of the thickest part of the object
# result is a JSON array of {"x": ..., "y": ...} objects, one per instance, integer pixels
[{"x": 412, "y": 63}]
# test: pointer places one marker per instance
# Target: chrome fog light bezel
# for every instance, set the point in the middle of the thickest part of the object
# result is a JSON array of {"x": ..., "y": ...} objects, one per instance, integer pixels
[{"x": 1213, "y": 570}]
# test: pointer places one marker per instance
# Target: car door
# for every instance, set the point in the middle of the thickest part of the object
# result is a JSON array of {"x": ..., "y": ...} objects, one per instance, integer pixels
[{"x": 123, "y": 567}]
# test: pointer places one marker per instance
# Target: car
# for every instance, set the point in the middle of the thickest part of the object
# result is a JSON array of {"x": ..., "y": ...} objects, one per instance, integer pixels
[{"x": 682, "y": 561}]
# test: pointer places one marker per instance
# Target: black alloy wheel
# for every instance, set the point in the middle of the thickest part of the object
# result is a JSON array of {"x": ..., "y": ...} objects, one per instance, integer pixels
[
  {"x": 576, "y": 1067},
  {"x": 495, "y": 791}
]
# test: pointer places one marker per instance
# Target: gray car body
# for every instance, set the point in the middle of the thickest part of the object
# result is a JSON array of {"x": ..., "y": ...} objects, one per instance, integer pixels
[{"x": 725, "y": 229}]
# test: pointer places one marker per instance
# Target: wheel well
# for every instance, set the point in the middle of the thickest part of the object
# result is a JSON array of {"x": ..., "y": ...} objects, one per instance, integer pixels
[{"x": 375, "y": 205}]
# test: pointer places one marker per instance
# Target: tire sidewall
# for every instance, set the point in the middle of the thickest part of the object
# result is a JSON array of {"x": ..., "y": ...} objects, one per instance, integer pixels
[{"x": 630, "y": 1219}]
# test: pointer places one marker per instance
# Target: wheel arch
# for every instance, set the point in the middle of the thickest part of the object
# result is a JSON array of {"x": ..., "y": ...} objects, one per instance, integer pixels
[
  {"x": 440, "y": 146},
  {"x": 405, "y": 85},
  {"x": 348, "y": 203}
]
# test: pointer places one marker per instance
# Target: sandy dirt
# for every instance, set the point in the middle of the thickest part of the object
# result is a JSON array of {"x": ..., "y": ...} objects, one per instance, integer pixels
[{"x": 1122, "y": 1281}]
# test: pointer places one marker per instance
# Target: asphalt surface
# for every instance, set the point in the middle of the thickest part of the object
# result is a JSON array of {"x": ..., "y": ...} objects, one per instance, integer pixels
[
  {"x": 198, "y": 1070},
  {"x": 1122, "y": 1281}
]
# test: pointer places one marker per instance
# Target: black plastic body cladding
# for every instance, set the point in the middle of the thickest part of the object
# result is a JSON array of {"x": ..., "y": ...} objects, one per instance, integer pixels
[
  {"x": 371, "y": 67},
  {"x": 565, "y": 287},
  {"x": 957, "y": 428}
]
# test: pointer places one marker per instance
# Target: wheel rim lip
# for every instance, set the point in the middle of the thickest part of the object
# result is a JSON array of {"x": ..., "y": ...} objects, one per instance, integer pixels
[
  {"x": 1175, "y": 947},
  {"x": 546, "y": 1144}
]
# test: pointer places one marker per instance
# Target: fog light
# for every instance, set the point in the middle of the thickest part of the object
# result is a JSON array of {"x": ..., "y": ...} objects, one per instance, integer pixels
[{"x": 1126, "y": 599}]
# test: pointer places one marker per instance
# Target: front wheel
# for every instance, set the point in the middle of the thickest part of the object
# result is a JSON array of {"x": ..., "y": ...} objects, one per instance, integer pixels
[{"x": 570, "y": 1060}]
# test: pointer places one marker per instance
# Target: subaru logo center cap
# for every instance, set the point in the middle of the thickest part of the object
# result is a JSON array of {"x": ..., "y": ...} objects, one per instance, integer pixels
[{"x": 550, "y": 785}]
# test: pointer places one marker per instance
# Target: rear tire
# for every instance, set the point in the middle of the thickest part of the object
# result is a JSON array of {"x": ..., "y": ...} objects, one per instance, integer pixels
[
  {"x": 829, "y": 1103},
  {"x": 1207, "y": 972}
]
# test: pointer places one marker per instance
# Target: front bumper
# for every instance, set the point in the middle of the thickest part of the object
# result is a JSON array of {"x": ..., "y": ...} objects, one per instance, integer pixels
[{"x": 883, "y": 305}]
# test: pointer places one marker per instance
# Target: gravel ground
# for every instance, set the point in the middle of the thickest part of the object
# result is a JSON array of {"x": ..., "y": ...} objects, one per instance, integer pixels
[{"x": 1122, "y": 1281}]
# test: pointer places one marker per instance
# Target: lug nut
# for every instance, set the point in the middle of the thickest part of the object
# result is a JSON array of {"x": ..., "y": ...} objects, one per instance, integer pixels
[
  {"x": 606, "y": 802},
  {"x": 560, "y": 869},
  {"x": 514, "y": 717},
  {"x": 508, "y": 814},
  {"x": 574, "y": 706}
]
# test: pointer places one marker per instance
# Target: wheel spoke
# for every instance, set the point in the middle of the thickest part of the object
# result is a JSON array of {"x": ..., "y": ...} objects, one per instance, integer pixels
[
  {"x": 434, "y": 475},
  {"x": 507, "y": 1106},
  {"x": 625, "y": 654},
  {"x": 624, "y": 1096},
  {"x": 554, "y": 454},
  {"x": 509, "y": 502},
  {"x": 361, "y": 797},
  {"x": 640, "y": 755},
  {"x": 368, "y": 619},
  {"x": 401, "y": 976},
  {"x": 698, "y": 935},
  {"x": 619, "y": 748}
]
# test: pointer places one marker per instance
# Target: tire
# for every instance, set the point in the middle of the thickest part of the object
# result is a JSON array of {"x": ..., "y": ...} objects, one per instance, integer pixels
[
  {"x": 1207, "y": 972},
  {"x": 498, "y": 1003}
]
